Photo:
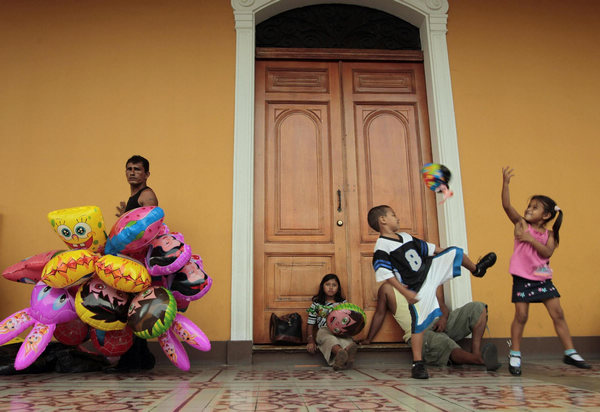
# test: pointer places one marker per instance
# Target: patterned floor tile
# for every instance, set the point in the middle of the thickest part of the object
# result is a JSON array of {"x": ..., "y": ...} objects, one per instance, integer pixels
[{"x": 544, "y": 386}]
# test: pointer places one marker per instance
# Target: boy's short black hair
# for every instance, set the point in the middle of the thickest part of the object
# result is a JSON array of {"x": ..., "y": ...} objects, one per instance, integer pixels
[
  {"x": 139, "y": 159},
  {"x": 375, "y": 213}
]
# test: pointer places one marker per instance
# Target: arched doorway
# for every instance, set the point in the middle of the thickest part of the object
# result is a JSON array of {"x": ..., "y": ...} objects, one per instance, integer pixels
[
  {"x": 340, "y": 126},
  {"x": 430, "y": 16}
]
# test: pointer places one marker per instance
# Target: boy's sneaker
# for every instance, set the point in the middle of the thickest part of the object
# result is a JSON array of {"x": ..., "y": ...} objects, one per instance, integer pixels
[
  {"x": 419, "y": 371},
  {"x": 576, "y": 360},
  {"x": 483, "y": 264}
]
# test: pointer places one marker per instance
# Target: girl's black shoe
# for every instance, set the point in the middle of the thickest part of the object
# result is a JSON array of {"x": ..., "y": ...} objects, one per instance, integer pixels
[{"x": 578, "y": 363}]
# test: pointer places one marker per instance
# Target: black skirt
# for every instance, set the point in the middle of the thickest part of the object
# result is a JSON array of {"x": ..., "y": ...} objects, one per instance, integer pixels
[{"x": 532, "y": 291}]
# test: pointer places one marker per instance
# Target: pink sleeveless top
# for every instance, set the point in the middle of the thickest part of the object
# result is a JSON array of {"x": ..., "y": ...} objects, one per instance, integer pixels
[{"x": 526, "y": 262}]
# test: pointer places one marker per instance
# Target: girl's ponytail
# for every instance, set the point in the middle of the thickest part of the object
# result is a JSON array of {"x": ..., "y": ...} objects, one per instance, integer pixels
[{"x": 557, "y": 224}]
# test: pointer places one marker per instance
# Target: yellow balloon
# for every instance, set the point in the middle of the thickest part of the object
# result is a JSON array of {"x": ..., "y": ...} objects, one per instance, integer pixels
[
  {"x": 101, "y": 306},
  {"x": 69, "y": 268},
  {"x": 79, "y": 227},
  {"x": 122, "y": 273}
]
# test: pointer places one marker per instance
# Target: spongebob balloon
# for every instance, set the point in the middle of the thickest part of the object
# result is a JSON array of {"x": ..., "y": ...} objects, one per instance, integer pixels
[{"x": 79, "y": 227}]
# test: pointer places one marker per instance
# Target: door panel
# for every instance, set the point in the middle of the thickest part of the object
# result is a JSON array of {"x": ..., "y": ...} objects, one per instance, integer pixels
[
  {"x": 298, "y": 171},
  {"x": 385, "y": 117},
  {"x": 360, "y": 128}
]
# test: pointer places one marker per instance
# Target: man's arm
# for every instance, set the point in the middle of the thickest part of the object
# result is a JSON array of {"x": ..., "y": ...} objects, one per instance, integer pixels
[
  {"x": 148, "y": 198},
  {"x": 120, "y": 209},
  {"x": 440, "y": 326}
]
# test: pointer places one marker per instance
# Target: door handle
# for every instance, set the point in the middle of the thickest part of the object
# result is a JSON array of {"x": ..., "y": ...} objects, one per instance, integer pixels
[{"x": 339, "y": 195}]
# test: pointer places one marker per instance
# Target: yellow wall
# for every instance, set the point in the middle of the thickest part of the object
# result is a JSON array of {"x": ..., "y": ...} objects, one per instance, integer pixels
[
  {"x": 526, "y": 86},
  {"x": 87, "y": 84}
]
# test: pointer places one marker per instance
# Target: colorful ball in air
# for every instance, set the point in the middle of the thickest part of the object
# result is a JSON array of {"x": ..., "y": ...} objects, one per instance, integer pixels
[
  {"x": 152, "y": 312},
  {"x": 346, "y": 319},
  {"x": 79, "y": 227},
  {"x": 437, "y": 178}
]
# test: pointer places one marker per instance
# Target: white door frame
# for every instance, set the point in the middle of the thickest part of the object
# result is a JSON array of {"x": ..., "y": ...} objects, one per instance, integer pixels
[{"x": 430, "y": 16}]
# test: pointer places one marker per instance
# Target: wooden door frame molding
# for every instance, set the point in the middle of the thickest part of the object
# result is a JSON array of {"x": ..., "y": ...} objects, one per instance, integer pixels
[{"x": 431, "y": 17}]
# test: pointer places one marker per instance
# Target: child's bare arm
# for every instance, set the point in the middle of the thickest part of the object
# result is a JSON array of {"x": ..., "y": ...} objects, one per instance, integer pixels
[
  {"x": 511, "y": 212},
  {"x": 410, "y": 295},
  {"x": 522, "y": 235},
  {"x": 311, "y": 331}
]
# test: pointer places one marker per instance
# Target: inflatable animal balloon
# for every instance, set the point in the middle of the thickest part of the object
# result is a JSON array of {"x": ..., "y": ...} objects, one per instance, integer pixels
[
  {"x": 79, "y": 227},
  {"x": 186, "y": 331},
  {"x": 346, "y": 319},
  {"x": 48, "y": 306},
  {"x": 437, "y": 178},
  {"x": 29, "y": 270}
]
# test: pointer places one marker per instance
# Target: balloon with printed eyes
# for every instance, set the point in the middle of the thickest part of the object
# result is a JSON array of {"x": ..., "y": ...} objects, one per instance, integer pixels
[
  {"x": 190, "y": 282},
  {"x": 167, "y": 254},
  {"x": 346, "y": 319},
  {"x": 48, "y": 307},
  {"x": 437, "y": 178},
  {"x": 184, "y": 330},
  {"x": 101, "y": 306},
  {"x": 79, "y": 227},
  {"x": 151, "y": 312}
]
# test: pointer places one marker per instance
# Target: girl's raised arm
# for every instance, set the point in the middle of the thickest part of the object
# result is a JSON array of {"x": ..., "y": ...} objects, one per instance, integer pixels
[{"x": 511, "y": 212}]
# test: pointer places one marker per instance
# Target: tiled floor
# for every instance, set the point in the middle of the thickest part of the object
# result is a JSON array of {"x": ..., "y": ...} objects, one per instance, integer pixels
[{"x": 545, "y": 385}]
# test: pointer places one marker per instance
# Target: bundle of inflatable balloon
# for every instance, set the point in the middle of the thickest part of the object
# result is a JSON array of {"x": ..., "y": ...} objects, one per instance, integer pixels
[{"x": 108, "y": 288}]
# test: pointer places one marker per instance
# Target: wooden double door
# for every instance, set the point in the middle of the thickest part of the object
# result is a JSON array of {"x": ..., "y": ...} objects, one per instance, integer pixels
[{"x": 332, "y": 140}]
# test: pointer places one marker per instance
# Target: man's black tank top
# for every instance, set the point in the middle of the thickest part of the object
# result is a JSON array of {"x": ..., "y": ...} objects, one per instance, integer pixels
[{"x": 132, "y": 203}]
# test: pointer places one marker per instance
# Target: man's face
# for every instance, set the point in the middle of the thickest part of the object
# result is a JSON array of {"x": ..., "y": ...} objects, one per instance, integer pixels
[{"x": 136, "y": 174}]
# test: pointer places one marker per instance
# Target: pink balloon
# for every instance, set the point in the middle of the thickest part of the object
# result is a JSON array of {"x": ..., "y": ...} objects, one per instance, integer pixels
[
  {"x": 174, "y": 350},
  {"x": 33, "y": 346},
  {"x": 29, "y": 270},
  {"x": 190, "y": 333}
]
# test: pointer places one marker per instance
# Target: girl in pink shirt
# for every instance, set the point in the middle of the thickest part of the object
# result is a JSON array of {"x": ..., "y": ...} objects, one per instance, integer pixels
[{"x": 532, "y": 276}]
